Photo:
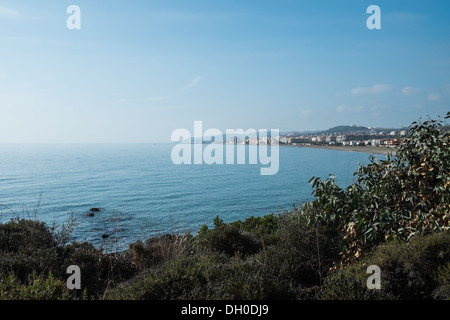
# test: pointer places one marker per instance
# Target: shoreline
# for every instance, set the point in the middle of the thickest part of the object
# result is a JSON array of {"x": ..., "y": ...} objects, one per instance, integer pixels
[{"x": 363, "y": 149}]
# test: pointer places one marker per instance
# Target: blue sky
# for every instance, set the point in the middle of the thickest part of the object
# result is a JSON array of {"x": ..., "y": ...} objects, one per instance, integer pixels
[{"x": 138, "y": 70}]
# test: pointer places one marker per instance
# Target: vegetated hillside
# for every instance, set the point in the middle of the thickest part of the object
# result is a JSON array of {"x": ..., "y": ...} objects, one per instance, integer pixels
[
  {"x": 395, "y": 215},
  {"x": 357, "y": 130},
  {"x": 346, "y": 130}
]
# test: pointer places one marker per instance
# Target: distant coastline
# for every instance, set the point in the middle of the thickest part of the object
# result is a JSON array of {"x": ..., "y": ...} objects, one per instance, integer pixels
[{"x": 365, "y": 149}]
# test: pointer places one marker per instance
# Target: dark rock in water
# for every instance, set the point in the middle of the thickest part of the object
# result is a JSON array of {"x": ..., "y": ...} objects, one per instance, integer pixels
[
  {"x": 105, "y": 236},
  {"x": 95, "y": 210},
  {"x": 90, "y": 214}
]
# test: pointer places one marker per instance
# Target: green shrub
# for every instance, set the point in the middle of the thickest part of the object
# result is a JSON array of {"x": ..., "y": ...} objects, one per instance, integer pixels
[
  {"x": 396, "y": 198},
  {"x": 443, "y": 279},
  {"x": 30, "y": 247},
  {"x": 207, "y": 276},
  {"x": 98, "y": 270},
  {"x": 228, "y": 239},
  {"x": 27, "y": 246},
  {"x": 36, "y": 288},
  {"x": 415, "y": 270},
  {"x": 21, "y": 234},
  {"x": 174, "y": 279},
  {"x": 159, "y": 249},
  {"x": 264, "y": 228},
  {"x": 303, "y": 254}
]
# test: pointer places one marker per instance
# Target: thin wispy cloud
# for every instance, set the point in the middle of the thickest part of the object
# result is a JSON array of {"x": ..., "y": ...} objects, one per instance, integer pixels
[
  {"x": 305, "y": 112},
  {"x": 6, "y": 12},
  {"x": 411, "y": 91},
  {"x": 193, "y": 83},
  {"x": 378, "y": 88},
  {"x": 342, "y": 109},
  {"x": 118, "y": 101},
  {"x": 136, "y": 101},
  {"x": 434, "y": 97},
  {"x": 155, "y": 99}
]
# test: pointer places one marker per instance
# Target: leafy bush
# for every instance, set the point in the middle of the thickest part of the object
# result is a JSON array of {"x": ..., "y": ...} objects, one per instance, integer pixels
[
  {"x": 159, "y": 249},
  {"x": 27, "y": 246},
  {"x": 396, "y": 198},
  {"x": 418, "y": 269},
  {"x": 36, "y": 288},
  {"x": 30, "y": 248},
  {"x": 99, "y": 270},
  {"x": 303, "y": 254},
  {"x": 228, "y": 239},
  {"x": 264, "y": 228},
  {"x": 207, "y": 276},
  {"x": 443, "y": 279}
]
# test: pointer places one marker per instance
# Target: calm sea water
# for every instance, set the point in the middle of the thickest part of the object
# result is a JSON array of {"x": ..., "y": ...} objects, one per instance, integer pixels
[{"x": 142, "y": 193}]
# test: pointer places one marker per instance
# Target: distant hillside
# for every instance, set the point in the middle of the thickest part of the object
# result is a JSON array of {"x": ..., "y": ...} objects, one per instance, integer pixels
[
  {"x": 346, "y": 130},
  {"x": 355, "y": 130}
]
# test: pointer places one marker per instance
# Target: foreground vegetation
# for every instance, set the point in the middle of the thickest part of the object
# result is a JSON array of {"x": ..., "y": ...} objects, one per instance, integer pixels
[{"x": 395, "y": 215}]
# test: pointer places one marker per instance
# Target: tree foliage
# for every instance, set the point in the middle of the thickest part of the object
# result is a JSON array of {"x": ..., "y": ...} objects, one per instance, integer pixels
[{"x": 392, "y": 199}]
